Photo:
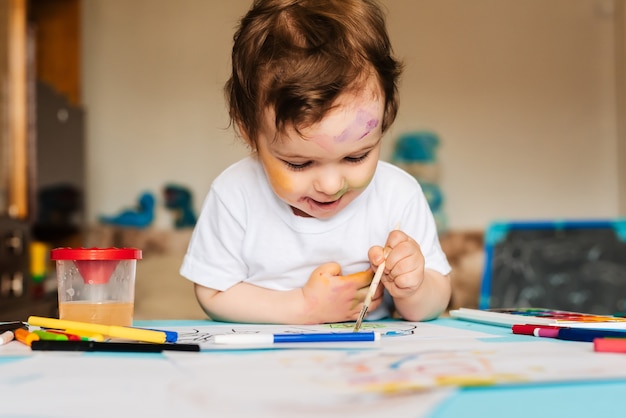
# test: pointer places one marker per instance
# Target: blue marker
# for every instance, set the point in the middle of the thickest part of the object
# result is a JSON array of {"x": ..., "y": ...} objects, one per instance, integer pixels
[
  {"x": 296, "y": 338},
  {"x": 170, "y": 336},
  {"x": 399, "y": 333},
  {"x": 588, "y": 335}
]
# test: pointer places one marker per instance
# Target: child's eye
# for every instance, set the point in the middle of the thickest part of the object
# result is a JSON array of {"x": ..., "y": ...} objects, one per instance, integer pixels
[
  {"x": 357, "y": 159},
  {"x": 297, "y": 167}
]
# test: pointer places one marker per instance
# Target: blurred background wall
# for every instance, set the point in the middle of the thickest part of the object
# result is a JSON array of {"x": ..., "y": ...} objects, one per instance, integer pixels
[{"x": 522, "y": 94}]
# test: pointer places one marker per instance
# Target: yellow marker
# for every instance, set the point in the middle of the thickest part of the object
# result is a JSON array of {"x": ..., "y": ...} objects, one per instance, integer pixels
[
  {"x": 115, "y": 331},
  {"x": 25, "y": 337}
]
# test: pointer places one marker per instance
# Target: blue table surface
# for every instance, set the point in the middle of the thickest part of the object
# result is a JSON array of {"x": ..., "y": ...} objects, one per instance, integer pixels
[{"x": 572, "y": 400}]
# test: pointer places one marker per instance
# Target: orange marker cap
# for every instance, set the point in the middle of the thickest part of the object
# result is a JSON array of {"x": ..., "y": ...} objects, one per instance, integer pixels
[{"x": 25, "y": 337}]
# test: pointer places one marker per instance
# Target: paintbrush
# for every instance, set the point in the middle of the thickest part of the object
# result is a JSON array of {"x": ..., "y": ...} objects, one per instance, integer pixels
[
  {"x": 370, "y": 295},
  {"x": 371, "y": 291}
]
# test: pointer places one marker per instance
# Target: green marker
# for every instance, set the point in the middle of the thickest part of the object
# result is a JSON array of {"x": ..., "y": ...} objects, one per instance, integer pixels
[{"x": 44, "y": 335}]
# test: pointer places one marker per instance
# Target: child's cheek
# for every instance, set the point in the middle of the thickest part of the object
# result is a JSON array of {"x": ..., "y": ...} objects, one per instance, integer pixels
[
  {"x": 363, "y": 181},
  {"x": 279, "y": 178}
]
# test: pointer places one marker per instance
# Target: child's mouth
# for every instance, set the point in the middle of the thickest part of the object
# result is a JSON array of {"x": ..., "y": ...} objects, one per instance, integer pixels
[
  {"x": 325, "y": 206},
  {"x": 325, "y": 203}
]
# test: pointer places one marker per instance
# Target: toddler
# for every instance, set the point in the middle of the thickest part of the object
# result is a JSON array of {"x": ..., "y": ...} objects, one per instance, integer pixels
[{"x": 293, "y": 233}]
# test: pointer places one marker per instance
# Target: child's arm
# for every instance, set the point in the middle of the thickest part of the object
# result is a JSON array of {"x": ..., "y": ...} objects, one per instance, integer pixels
[
  {"x": 419, "y": 294},
  {"x": 429, "y": 300},
  {"x": 326, "y": 297}
]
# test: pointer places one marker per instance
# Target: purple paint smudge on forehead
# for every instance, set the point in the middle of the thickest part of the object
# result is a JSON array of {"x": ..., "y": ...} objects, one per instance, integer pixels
[
  {"x": 362, "y": 118},
  {"x": 369, "y": 126}
]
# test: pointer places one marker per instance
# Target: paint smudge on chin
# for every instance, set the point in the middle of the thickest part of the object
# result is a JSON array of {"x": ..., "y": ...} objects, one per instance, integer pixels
[{"x": 360, "y": 128}]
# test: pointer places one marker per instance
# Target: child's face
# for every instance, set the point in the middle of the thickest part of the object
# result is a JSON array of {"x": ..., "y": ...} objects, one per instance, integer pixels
[{"x": 320, "y": 173}]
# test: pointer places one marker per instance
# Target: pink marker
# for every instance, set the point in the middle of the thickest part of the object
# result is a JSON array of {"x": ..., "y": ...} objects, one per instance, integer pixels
[{"x": 546, "y": 332}]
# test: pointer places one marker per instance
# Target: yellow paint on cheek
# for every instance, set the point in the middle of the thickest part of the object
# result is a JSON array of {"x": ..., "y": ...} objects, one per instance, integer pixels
[{"x": 277, "y": 175}]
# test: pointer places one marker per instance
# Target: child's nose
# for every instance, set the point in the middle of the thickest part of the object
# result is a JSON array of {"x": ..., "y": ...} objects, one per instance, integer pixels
[{"x": 330, "y": 182}]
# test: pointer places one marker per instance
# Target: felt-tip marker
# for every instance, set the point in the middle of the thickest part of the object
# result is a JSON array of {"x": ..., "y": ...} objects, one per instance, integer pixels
[
  {"x": 170, "y": 336},
  {"x": 10, "y": 326},
  {"x": 588, "y": 335},
  {"x": 85, "y": 335},
  {"x": 6, "y": 337},
  {"x": 70, "y": 337},
  {"x": 115, "y": 331},
  {"x": 116, "y": 347},
  {"x": 609, "y": 345},
  {"x": 45, "y": 335},
  {"x": 296, "y": 338},
  {"x": 549, "y": 331},
  {"x": 25, "y": 337}
]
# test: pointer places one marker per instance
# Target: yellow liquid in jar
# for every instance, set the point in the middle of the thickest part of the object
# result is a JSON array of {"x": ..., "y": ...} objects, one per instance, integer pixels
[{"x": 107, "y": 313}]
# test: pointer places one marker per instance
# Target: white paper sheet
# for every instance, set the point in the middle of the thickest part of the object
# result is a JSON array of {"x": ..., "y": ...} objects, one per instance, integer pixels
[{"x": 408, "y": 375}]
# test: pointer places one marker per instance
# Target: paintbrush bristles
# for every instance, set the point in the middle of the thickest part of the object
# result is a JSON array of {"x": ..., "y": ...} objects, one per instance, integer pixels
[{"x": 357, "y": 326}]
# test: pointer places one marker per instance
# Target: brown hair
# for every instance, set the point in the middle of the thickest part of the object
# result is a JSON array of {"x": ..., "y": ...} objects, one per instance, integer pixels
[{"x": 298, "y": 56}]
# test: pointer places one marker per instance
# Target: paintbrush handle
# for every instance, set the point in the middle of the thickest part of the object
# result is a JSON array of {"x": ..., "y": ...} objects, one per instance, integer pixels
[
  {"x": 374, "y": 284},
  {"x": 370, "y": 295}
]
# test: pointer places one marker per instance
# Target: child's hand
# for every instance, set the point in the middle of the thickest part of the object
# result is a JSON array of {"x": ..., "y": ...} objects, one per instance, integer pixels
[
  {"x": 331, "y": 297},
  {"x": 404, "y": 265}
]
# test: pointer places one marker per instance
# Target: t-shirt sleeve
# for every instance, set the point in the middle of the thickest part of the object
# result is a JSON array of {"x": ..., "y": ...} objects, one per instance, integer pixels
[
  {"x": 213, "y": 257},
  {"x": 419, "y": 223}
]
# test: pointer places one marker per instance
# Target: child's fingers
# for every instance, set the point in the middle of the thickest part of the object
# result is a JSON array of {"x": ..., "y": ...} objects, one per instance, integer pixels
[
  {"x": 361, "y": 294},
  {"x": 328, "y": 269},
  {"x": 395, "y": 237},
  {"x": 406, "y": 282},
  {"x": 362, "y": 279},
  {"x": 377, "y": 255}
]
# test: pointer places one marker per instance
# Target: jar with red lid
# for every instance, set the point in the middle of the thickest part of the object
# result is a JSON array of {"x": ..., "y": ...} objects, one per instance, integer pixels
[{"x": 96, "y": 285}]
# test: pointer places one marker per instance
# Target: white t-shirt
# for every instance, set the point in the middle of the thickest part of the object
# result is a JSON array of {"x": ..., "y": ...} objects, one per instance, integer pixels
[{"x": 245, "y": 233}]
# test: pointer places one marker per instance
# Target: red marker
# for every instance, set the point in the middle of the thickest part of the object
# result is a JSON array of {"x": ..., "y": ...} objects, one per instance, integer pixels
[
  {"x": 70, "y": 337},
  {"x": 548, "y": 331},
  {"x": 609, "y": 345}
]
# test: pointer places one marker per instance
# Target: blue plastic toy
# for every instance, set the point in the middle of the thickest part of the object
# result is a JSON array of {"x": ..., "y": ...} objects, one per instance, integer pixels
[
  {"x": 141, "y": 217},
  {"x": 416, "y": 152},
  {"x": 179, "y": 200},
  {"x": 416, "y": 147}
]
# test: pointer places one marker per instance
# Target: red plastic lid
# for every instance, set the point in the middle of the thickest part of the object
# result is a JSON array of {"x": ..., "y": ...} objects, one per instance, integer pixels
[{"x": 93, "y": 253}]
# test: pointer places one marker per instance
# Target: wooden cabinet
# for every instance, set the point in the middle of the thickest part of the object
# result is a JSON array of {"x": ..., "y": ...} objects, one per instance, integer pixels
[
  {"x": 56, "y": 26},
  {"x": 41, "y": 144},
  {"x": 56, "y": 169},
  {"x": 13, "y": 109}
]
